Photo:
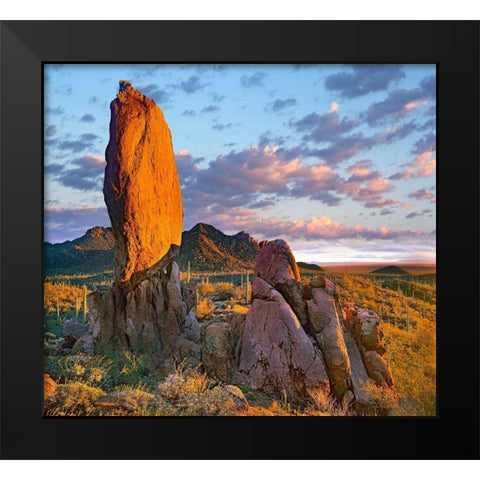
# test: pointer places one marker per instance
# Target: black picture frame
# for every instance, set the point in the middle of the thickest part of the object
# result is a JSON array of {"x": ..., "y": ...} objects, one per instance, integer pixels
[{"x": 452, "y": 45}]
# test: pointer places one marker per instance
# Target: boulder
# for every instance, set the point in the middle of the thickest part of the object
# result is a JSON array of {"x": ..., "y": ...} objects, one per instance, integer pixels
[
  {"x": 367, "y": 331},
  {"x": 49, "y": 392},
  {"x": 189, "y": 295},
  {"x": 84, "y": 345},
  {"x": 324, "y": 323},
  {"x": 378, "y": 368},
  {"x": 230, "y": 397},
  {"x": 141, "y": 186},
  {"x": 217, "y": 351},
  {"x": 358, "y": 377},
  {"x": 49, "y": 386},
  {"x": 191, "y": 328},
  {"x": 237, "y": 324},
  {"x": 75, "y": 329},
  {"x": 276, "y": 354},
  {"x": 276, "y": 265}
]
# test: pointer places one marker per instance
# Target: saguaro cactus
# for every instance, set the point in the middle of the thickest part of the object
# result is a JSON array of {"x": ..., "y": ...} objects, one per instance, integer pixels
[{"x": 85, "y": 303}]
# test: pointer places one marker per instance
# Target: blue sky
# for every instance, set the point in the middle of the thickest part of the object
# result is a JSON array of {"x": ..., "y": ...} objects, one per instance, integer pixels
[{"x": 339, "y": 160}]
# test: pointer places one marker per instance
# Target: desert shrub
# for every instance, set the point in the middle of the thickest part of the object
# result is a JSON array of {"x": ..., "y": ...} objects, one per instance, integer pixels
[
  {"x": 323, "y": 404},
  {"x": 114, "y": 367},
  {"x": 384, "y": 398},
  {"x": 76, "y": 399},
  {"x": 137, "y": 399},
  {"x": 240, "y": 309},
  {"x": 205, "y": 308},
  {"x": 205, "y": 289},
  {"x": 224, "y": 290}
]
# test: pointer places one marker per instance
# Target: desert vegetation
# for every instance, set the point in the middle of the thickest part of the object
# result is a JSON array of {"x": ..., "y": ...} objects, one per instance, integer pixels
[{"x": 125, "y": 383}]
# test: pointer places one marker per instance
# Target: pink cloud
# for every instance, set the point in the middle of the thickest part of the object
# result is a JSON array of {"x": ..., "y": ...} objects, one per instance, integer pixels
[
  {"x": 422, "y": 194},
  {"x": 423, "y": 165}
]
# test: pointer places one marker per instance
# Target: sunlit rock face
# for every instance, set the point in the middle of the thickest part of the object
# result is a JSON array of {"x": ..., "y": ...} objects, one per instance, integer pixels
[
  {"x": 141, "y": 186},
  {"x": 145, "y": 308}
]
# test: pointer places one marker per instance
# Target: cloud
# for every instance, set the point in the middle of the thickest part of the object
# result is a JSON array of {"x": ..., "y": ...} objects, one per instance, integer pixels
[
  {"x": 363, "y": 79},
  {"x": 84, "y": 142},
  {"x": 191, "y": 85},
  {"x": 93, "y": 99},
  {"x": 366, "y": 185},
  {"x": 55, "y": 110},
  {"x": 86, "y": 175},
  {"x": 425, "y": 144},
  {"x": 90, "y": 162},
  {"x": 398, "y": 104},
  {"x": 280, "y": 104},
  {"x": 344, "y": 147},
  {"x": 422, "y": 194},
  {"x": 66, "y": 223},
  {"x": 386, "y": 211},
  {"x": 87, "y": 117},
  {"x": 412, "y": 215},
  {"x": 429, "y": 87},
  {"x": 423, "y": 164},
  {"x": 217, "y": 98},
  {"x": 154, "y": 92},
  {"x": 74, "y": 145},
  {"x": 53, "y": 168},
  {"x": 50, "y": 130},
  {"x": 314, "y": 229},
  {"x": 189, "y": 112},
  {"x": 187, "y": 166},
  {"x": 245, "y": 177},
  {"x": 210, "y": 109},
  {"x": 401, "y": 102},
  {"x": 325, "y": 127},
  {"x": 89, "y": 137},
  {"x": 254, "y": 80},
  {"x": 220, "y": 126},
  {"x": 262, "y": 204}
]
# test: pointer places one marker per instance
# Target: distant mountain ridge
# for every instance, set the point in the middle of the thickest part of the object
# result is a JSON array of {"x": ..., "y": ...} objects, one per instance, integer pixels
[
  {"x": 391, "y": 270},
  {"x": 209, "y": 249},
  {"x": 204, "y": 246},
  {"x": 90, "y": 253}
]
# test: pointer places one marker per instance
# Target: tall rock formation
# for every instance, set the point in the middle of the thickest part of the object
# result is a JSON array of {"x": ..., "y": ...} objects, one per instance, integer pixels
[
  {"x": 144, "y": 309},
  {"x": 141, "y": 186}
]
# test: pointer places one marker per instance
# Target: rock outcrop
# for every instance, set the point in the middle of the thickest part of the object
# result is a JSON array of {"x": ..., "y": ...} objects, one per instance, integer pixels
[
  {"x": 217, "y": 353},
  {"x": 325, "y": 323},
  {"x": 367, "y": 331},
  {"x": 145, "y": 309},
  {"x": 141, "y": 186},
  {"x": 326, "y": 351},
  {"x": 276, "y": 265},
  {"x": 277, "y": 356}
]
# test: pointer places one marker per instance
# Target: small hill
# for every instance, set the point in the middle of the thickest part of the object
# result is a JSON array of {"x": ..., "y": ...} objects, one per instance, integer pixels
[
  {"x": 210, "y": 250},
  {"x": 309, "y": 267},
  {"x": 391, "y": 270},
  {"x": 93, "y": 252}
]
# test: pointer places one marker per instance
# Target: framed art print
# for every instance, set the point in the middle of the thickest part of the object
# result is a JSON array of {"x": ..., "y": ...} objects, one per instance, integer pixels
[{"x": 234, "y": 239}]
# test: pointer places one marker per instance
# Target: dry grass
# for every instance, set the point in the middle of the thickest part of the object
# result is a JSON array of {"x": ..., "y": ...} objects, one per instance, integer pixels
[
  {"x": 205, "y": 308},
  {"x": 240, "y": 309}
]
